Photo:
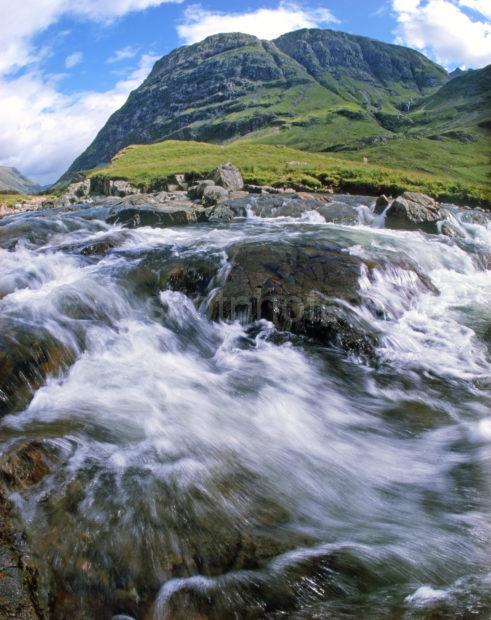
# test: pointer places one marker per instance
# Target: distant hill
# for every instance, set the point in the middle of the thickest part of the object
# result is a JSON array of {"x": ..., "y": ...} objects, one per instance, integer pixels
[
  {"x": 11, "y": 180},
  {"x": 314, "y": 90}
]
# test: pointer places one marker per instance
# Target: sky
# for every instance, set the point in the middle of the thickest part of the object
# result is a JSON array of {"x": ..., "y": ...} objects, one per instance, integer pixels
[{"x": 66, "y": 66}]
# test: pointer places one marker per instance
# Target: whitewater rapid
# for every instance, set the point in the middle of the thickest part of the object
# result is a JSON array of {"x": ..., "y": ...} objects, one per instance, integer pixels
[{"x": 366, "y": 481}]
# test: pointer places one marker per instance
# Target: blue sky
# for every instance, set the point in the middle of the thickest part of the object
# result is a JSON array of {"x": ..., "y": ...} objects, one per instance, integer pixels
[{"x": 65, "y": 67}]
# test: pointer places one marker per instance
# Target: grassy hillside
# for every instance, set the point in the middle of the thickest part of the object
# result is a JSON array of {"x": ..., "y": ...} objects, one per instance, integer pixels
[
  {"x": 445, "y": 133},
  {"x": 311, "y": 89},
  {"x": 149, "y": 166},
  {"x": 467, "y": 162}
]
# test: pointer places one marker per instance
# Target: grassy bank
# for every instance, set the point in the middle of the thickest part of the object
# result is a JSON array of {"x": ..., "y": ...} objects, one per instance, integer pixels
[{"x": 149, "y": 167}]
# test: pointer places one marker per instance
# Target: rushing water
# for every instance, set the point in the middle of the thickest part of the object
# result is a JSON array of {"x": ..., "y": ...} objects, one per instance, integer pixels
[{"x": 221, "y": 470}]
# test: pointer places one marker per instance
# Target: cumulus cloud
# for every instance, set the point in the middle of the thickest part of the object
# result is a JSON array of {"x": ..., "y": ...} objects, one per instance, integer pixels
[
  {"x": 481, "y": 6},
  {"x": 265, "y": 23},
  {"x": 73, "y": 60},
  {"x": 453, "y": 32},
  {"x": 43, "y": 130},
  {"x": 23, "y": 20}
]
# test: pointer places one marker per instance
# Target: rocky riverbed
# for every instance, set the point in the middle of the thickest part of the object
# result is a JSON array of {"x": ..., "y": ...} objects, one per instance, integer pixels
[{"x": 218, "y": 401}]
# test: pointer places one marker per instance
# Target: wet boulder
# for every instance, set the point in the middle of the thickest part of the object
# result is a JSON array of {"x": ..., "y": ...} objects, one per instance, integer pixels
[
  {"x": 22, "y": 466},
  {"x": 158, "y": 217},
  {"x": 18, "y": 575},
  {"x": 278, "y": 206},
  {"x": 25, "y": 464},
  {"x": 26, "y": 360},
  {"x": 450, "y": 230},
  {"x": 229, "y": 177},
  {"x": 339, "y": 213},
  {"x": 160, "y": 270},
  {"x": 414, "y": 211},
  {"x": 381, "y": 204},
  {"x": 307, "y": 288}
]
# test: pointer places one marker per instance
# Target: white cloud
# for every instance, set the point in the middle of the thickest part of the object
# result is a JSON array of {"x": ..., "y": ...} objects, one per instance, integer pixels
[
  {"x": 199, "y": 23},
  {"x": 446, "y": 32},
  {"x": 73, "y": 60},
  {"x": 23, "y": 20},
  {"x": 42, "y": 130},
  {"x": 481, "y": 6},
  {"x": 125, "y": 53}
]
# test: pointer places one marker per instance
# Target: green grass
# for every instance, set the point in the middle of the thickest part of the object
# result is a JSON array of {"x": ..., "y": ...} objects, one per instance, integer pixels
[
  {"x": 468, "y": 162},
  {"x": 150, "y": 166},
  {"x": 10, "y": 200}
]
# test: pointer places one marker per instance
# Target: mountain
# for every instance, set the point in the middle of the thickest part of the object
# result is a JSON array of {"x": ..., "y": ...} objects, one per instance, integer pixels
[
  {"x": 459, "y": 72},
  {"x": 11, "y": 180},
  {"x": 315, "y": 90}
]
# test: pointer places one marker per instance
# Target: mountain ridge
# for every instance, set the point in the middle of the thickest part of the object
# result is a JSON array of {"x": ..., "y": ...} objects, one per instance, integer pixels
[
  {"x": 316, "y": 90},
  {"x": 11, "y": 180}
]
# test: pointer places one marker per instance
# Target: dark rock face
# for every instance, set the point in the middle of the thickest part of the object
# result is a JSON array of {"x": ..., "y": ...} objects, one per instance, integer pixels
[
  {"x": 192, "y": 93},
  {"x": 327, "y": 53},
  {"x": 413, "y": 211},
  {"x": 302, "y": 288}
]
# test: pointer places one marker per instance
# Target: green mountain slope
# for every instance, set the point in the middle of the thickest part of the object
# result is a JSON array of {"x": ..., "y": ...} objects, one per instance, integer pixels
[
  {"x": 11, "y": 180},
  {"x": 448, "y": 132},
  {"x": 234, "y": 85},
  {"x": 314, "y": 90}
]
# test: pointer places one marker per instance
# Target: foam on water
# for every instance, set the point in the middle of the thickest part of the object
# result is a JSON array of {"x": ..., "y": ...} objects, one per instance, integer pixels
[{"x": 368, "y": 460}]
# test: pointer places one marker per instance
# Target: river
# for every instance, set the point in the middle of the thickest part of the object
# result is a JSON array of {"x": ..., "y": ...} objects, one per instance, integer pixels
[{"x": 207, "y": 469}]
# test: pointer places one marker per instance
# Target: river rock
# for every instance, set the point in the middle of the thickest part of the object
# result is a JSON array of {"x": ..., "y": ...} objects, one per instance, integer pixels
[
  {"x": 449, "y": 230},
  {"x": 220, "y": 213},
  {"x": 18, "y": 576},
  {"x": 24, "y": 465},
  {"x": 381, "y": 204},
  {"x": 195, "y": 192},
  {"x": 26, "y": 360},
  {"x": 229, "y": 177},
  {"x": 306, "y": 288},
  {"x": 160, "y": 217},
  {"x": 214, "y": 195},
  {"x": 339, "y": 213},
  {"x": 414, "y": 211}
]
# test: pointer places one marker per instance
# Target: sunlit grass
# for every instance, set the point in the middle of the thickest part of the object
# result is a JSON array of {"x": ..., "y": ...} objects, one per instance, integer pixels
[{"x": 149, "y": 166}]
